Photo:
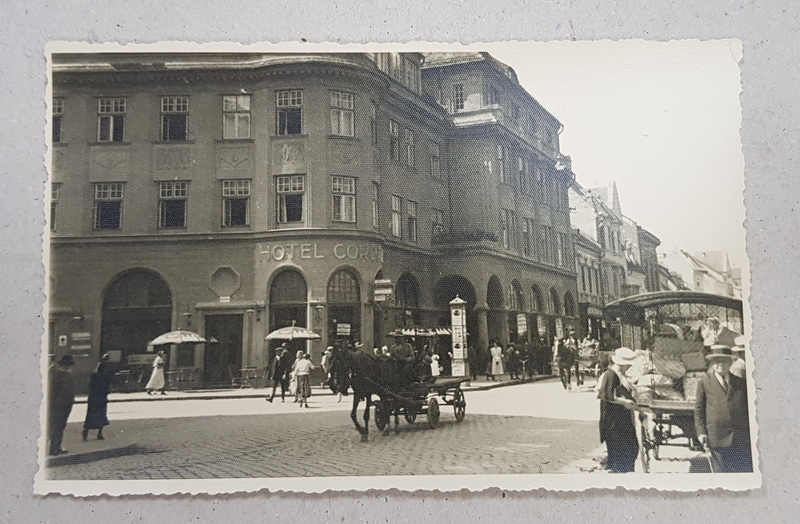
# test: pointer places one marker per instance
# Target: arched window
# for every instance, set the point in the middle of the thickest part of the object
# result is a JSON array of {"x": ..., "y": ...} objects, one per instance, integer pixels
[
  {"x": 137, "y": 307},
  {"x": 516, "y": 301},
  {"x": 344, "y": 306},
  {"x": 536, "y": 299},
  {"x": 407, "y": 292},
  {"x": 569, "y": 305},
  {"x": 555, "y": 303},
  {"x": 343, "y": 288}
]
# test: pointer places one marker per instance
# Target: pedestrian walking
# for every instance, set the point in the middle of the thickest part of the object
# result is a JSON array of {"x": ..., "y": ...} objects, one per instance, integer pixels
[
  {"x": 61, "y": 397},
  {"x": 302, "y": 376},
  {"x": 293, "y": 389},
  {"x": 326, "y": 364},
  {"x": 572, "y": 344},
  {"x": 156, "y": 382},
  {"x": 281, "y": 370},
  {"x": 496, "y": 362},
  {"x": 721, "y": 414},
  {"x": 616, "y": 418},
  {"x": 565, "y": 358},
  {"x": 97, "y": 403}
]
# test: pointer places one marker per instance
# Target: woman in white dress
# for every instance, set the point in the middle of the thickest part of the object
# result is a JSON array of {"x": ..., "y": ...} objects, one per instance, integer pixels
[
  {"x": 156, "y": 382},
  {"x": 497, "y": 361}
]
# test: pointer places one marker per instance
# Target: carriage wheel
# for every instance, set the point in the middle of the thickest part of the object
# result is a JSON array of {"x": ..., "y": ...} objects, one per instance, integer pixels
[
  {"x": 459, "y": 405},
  {"x": 433, "y": 412},
  {"x": 381, "y": 417},
  {"x": 411, "y": 416}
]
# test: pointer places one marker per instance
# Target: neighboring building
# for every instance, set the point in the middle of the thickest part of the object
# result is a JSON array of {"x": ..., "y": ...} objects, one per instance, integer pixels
[
  {"x": 707, "y": 271},
  {"x": 588, "y": 257},
  {"x": 235, "y": 194}
]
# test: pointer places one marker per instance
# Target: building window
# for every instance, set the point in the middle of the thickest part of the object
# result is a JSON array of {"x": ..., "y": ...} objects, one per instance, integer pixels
[
  {"x": 492, "y": 96},
  {"x": 375, "y": 221},
  {"x": 436, "y": 170},
  {"x": 527, "y": 228},
  {"x": 291, "y": 190},
  {"x": 501, "y": 165},
  {"x": 394, "y": 140},
  {"x": 506, "y": 225},
  {"x": 55, "y": 189},
  {"x": 108, "y": 205},
  {"x": 235, "y": 203},
  {"x": 397, "y": 225},
  {"x": 174, "y": 118},
  {"x": 58, "y": 113},
  {"x": 458, "y": 97},
  {"x": 235, "y": 117},
  {"x": 373, "y": 123},
  {"x": 172, "y": 204},
  {"x": 411, "y": 214},
  {"x": 561, "y": 252},
  {"x": 408, "y": 140},
  {"x": 344, "y": 198},
  {"x": 111, "y": 119},
  {"x": 522, "y": 176},
  {"x": 290, "y": 112},
  {"x": 341, "y": 113},
  {"x": 438, "y": 222},
  {"x": 514, "y": 111}
]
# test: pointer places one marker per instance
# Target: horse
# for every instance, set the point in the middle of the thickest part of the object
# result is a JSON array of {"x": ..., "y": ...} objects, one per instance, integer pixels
[{"x": 368, "y": 375}]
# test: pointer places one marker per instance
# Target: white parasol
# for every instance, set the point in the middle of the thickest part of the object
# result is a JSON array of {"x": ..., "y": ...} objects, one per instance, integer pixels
[
  {"x": 176, "y": 337},
  {"x": 292, "y": 333}
]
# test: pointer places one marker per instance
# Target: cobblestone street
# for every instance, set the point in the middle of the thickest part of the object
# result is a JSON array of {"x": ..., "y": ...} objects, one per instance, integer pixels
[
  {"x": 248, "y": 438},
  {"x": 321, "y": 444}
]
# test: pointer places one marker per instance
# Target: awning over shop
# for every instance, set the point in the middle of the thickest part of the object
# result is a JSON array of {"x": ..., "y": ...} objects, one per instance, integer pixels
[{"x": 420, "y": 332}]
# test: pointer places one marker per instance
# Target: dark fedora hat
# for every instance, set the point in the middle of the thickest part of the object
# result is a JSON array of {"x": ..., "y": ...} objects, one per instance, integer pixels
[
  {"x": 66, "y": 360},
  {"x": 720, "y": 351}
]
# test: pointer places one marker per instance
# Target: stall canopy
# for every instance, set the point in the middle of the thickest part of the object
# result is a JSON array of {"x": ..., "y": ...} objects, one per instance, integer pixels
[{"x": 420, "y": 332}]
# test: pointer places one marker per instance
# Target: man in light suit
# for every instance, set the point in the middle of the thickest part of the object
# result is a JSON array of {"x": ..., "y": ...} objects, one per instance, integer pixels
[{"x": 721, "y": 414}]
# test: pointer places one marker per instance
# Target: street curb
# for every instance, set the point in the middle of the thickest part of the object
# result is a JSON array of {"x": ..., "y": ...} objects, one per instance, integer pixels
[{"x": 316, "y": 391}]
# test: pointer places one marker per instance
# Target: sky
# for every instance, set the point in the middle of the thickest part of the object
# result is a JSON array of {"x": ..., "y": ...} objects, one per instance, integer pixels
[{"x": 661, "y": 119}]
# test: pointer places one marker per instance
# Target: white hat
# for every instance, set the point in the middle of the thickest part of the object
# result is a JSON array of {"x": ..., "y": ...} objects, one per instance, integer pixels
[{"x": 623, "y": 356}]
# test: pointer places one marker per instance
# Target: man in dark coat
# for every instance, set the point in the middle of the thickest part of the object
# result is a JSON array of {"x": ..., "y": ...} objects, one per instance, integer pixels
[
  {"x": 281, "y": 372},
  {"x": 61, "y": 397},
  {"x": 97, "y": 403},
  {"x": 721, "y": 414}
]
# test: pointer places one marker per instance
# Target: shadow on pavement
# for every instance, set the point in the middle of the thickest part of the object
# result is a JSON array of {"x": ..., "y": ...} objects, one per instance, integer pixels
[{"x": 94, "y": 456}]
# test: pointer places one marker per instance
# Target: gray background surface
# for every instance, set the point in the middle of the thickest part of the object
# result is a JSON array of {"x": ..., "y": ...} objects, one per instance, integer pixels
[{"x": 769, "y": 31}]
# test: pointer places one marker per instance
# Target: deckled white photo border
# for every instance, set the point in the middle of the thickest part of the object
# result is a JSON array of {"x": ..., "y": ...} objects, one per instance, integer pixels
[{"x": 445, "y": 483}]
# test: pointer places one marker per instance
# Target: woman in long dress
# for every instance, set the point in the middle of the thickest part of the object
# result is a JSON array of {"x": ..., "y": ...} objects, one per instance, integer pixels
[
  {"x": 97, "y": 408},
  {"x": 156, "y": 382},
  {"x": 616, "y": 421},
  {"x": 497, "y": 360},
  {"x": 302, "y": 372}
]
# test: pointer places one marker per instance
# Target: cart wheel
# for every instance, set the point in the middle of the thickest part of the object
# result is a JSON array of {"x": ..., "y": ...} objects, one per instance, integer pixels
[
  {"x": 411, "y": 416},
  {"x": 459, "y": 405},
  {"x": 433, "y": 413},
  {"x": 381, "y": 417}
]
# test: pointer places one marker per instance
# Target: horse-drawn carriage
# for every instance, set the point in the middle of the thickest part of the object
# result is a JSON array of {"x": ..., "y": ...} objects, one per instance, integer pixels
[{"x": 399, "y": 391}]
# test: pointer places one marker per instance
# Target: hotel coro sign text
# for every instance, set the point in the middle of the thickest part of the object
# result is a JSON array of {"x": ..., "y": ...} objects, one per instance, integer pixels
[{"x": 318, "y": 251}]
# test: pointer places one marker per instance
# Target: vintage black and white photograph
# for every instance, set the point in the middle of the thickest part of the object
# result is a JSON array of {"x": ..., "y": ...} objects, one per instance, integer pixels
[{"x": 307, "y": 267}]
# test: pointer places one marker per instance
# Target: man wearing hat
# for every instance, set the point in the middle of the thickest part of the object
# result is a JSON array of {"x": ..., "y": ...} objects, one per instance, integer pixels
[
  {"x": 61, "y": 397},
  {"x": 721, "y": 414}
]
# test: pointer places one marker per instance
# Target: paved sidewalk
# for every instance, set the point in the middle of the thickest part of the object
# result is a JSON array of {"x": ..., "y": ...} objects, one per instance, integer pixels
[{"x": 246, "y": 392}]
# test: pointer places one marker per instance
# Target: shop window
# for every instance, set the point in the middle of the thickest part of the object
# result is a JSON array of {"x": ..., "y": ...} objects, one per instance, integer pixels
[
  {"x": 291, "y": 196},
  {"x": 344, "y": 198},
  {"x": 111, "y": 119},
  {"x": 174, "y": 118},
  {"x": 290, "y": 112},
  {"x": 235, "y": 117},
  {"x": 108, "y": 205},
  {"x": 235, "y": 202},
  {"x": 342, "y": 114},
  {"x": 172, "y": 204}
]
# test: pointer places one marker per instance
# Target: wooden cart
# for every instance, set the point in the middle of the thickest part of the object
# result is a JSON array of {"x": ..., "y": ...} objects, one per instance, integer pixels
[{"x": 423, "y": 399}]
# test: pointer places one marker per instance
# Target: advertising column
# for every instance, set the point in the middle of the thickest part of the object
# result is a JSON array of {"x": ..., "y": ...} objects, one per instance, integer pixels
[{"x": 458, "y": 322}]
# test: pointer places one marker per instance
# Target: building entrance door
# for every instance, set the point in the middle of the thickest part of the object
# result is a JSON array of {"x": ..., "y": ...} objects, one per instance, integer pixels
[{"x": 223, "y": 355}]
